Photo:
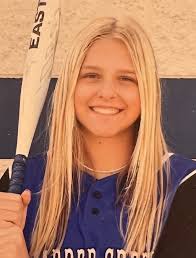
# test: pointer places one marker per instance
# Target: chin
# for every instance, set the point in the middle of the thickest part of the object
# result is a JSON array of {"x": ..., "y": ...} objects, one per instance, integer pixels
[
  {"x": 105, "y": 133},
  {"x": 102, "y": 131}
]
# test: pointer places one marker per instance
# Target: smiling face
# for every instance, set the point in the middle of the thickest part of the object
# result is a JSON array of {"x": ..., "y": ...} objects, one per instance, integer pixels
[{"x": 107, "y": 101}]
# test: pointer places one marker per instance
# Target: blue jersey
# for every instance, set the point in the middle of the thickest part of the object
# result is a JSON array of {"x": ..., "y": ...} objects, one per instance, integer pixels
[{"x": 93, "y": 228}]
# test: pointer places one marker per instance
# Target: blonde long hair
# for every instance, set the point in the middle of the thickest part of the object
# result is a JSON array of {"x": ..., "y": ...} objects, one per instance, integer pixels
[{"x": 143, "y": 192}]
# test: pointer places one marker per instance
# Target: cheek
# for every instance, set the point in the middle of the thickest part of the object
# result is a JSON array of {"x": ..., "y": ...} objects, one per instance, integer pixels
[
  {"x": 83, "y": 92},
  {"x": 133, "y": 101},
  {"x": 81, "y": 99},
  {"x": 79, "y": 96}
]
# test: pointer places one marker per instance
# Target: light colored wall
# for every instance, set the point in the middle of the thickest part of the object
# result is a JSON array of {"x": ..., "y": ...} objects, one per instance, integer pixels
[
  {"x": 170, "y": 25},
  {"x": 4, "y": 165}
]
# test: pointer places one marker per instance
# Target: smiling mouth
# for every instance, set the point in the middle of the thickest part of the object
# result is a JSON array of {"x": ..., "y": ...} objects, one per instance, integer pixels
[{"x": 106, "y": 111}]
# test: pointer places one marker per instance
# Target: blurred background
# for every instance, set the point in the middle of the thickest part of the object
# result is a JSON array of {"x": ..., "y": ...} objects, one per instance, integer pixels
[{"x": 170, "y": 26}]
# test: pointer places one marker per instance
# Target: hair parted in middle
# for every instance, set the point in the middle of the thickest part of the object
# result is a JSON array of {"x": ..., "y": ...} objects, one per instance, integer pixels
[{"x": 143, "y": 195}]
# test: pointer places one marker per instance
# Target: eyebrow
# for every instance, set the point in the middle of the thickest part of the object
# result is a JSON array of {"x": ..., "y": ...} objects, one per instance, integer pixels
[
  {"x": 91, "y": 67},
  {"x": 98, "y": 68}
]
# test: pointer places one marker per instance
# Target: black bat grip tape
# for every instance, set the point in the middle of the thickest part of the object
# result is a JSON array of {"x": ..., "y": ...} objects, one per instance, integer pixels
[{"x": 18, "y": 173}]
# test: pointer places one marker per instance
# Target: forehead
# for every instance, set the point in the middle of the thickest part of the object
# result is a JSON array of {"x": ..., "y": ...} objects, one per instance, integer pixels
[{"x": 109, "y": 52}]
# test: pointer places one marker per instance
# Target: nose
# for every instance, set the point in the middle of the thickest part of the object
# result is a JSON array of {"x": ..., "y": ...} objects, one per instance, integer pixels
[{"x": 107, "y": 90}]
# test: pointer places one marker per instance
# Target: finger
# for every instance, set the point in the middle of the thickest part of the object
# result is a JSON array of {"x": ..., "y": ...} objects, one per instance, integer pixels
[
  {"x": 10, "y": 202},
  {"x": 26, "y": 197},
  {"x": 10, "y": 216},
  {"x": 5, "y": 224},
  {"x": 12, "y": 242}
]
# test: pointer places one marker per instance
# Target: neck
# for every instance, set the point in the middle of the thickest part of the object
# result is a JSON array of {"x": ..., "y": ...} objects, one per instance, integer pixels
[
  {"x": 102, "y": 174},
  {"x": 109, "y": 153}
]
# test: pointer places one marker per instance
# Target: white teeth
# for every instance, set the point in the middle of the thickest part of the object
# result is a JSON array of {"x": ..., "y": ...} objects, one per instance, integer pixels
[{"x": 106, "y": 110}]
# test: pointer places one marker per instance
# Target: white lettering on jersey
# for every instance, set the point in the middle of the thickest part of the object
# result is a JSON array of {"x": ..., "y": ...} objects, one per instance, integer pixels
[
  {"x": 109, "y": 253},
  {"x": 68, "y": 253},
  {"x": 81, "y": 253},
  {"x": 121, "y": 253},
  {"x": 91, "y": 253},
  {"x": 56, "y": 253}
]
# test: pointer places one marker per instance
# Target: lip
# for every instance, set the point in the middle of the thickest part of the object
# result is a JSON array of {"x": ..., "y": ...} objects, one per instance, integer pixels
[
  {"x": 101, "y": 114},
  {"x": 91, "y": 107}
]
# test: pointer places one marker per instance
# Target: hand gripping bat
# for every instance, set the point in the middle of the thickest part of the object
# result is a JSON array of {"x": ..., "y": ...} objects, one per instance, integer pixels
[{"x": 36, "y": 79}]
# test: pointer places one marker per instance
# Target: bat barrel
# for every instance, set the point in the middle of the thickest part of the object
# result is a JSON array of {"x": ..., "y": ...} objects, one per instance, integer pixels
[{"x": 18, "y": 173}]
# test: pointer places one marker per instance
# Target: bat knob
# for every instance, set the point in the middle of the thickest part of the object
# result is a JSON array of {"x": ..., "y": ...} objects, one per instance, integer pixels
[{"x": 17, "y": 178}]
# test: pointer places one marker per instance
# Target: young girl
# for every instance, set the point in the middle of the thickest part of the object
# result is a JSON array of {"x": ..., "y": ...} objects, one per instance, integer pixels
[{"x": 105, "y": 185}]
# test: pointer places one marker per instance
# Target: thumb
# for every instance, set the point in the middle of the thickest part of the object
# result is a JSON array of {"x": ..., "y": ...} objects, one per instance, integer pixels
[{"x": 26, "y": 198}]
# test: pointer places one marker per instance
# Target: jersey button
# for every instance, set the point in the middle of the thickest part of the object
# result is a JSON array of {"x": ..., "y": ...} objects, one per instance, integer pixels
[
  {"x": 97, "y": 194},
  {"x": 95, "y": 211}
]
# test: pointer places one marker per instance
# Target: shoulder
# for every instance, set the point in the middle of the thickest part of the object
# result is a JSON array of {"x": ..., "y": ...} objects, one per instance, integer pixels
[
  {"x": 34, "y": 171},
  {"x": 181, "y": 168}
]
